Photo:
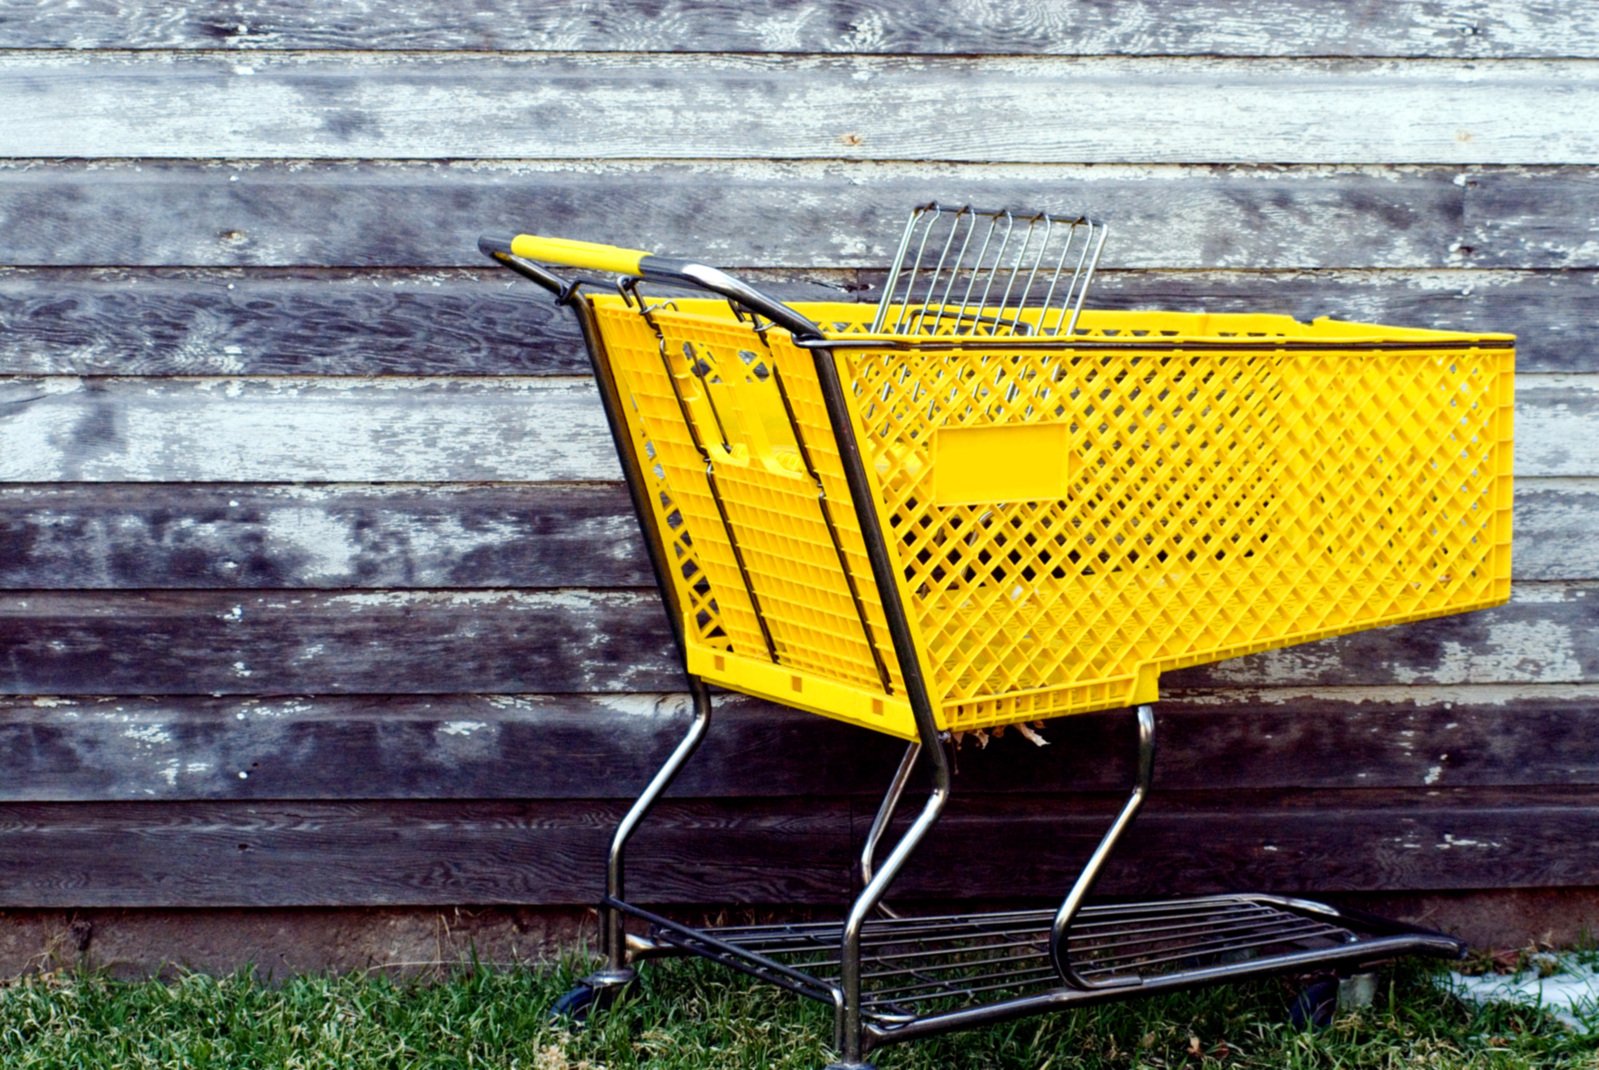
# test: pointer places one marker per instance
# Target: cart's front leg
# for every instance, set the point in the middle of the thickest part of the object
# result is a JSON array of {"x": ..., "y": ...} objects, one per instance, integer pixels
[
  {"x": 1059, "y": 933},
  {"x": 848, "y": 1033}
]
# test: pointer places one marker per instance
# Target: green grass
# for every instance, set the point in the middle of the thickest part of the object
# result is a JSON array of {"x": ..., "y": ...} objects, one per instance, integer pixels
[{"x": 696, "y": 1015}]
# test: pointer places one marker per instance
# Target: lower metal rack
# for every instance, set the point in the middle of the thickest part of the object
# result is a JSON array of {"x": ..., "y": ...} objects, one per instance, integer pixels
[{"x": 923, "y": 975}]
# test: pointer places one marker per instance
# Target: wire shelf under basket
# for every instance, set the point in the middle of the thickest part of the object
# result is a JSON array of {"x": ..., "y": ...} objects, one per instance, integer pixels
[{"x": 915, "y": 967}]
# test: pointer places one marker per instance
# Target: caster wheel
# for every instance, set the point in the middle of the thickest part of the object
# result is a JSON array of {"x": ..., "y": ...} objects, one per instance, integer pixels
[
  {"x": 1315, "y": 1006},
  {"x": 575, "y": 1006}
]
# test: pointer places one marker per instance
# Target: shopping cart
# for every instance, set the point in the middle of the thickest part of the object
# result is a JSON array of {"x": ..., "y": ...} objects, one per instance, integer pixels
[{"x": 976, "y": 504}]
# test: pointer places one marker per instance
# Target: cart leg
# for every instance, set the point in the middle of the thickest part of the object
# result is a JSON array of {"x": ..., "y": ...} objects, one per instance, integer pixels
[
  {"x": 848, "y": 1035},
  {"x": 1096, "y": 861},
  {"x": 885, "y": 814},
  {"x": 613, "y": 940}
]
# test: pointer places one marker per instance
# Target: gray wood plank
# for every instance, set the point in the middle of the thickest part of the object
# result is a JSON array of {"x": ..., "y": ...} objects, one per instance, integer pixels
[
  {"x": 403, "y": 642},
  {"x": 296, "y": 430},
  {"x": 315, "y": 643},
  {"x": 453, "y": 322},
  {"x": 127, "y": 536},
  {"x": 114, "y": 322},
  {"x": 65, "y": 429},
  {"x": 796, "y": 214},
  {"x": 81, "y": 536},
  {"x": 747, "y": 851},
  {"x": 1525, "y": 28},
  {"x": 569, "y": 747},
  {"x": 654, "y": 105},
  {"x": 1517, "y": 217}
]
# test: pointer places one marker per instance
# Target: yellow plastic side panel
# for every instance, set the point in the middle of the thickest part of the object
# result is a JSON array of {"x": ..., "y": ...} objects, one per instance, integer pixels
[{"x": 1068, "y": 521}]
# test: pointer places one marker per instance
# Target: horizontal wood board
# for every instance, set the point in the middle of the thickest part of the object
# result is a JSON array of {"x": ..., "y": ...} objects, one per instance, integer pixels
[
  {"x": 532, "y": 429},
  {"x": 1532, "y": 28},
  {"x": 794, "y": 213},
  {"x": 1032, "y": 109},
  {"x": 368, "y": 747},
  {"x": 82, "y": 536},
  {"x": 269, "y": 322},
  {"x": 207, "y": 854},
  {"x": 583, "y": 641}
]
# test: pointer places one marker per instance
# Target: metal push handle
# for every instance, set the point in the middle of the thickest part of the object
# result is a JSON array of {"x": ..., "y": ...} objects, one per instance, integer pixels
[{"x": 524, "y": 252}]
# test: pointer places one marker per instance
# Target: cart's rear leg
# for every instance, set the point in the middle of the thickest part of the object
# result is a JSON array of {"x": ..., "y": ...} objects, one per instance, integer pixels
[{"x": 600, "y": 989}]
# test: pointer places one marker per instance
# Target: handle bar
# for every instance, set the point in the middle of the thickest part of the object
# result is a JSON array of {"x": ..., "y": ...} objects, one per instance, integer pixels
[{"x": 523, "y": 253}]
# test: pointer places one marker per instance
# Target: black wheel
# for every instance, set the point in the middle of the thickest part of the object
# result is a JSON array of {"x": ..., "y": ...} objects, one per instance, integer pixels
[
  {"x": 1315, "y": 1006},
  {"x": 575, "y": 1006}
]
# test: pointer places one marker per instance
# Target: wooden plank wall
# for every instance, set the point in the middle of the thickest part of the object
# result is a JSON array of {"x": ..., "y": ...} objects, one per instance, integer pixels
[{"x": 316, "y": 584}]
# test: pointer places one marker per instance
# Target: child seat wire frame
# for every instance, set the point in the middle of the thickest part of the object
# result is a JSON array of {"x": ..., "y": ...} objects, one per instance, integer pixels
[
  {"x": 892, "y": 979},
  {"x": 974, "y": 272}
]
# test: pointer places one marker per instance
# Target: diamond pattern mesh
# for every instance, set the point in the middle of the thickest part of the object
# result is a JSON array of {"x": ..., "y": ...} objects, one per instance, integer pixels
[{"x": 1225, "y": 492}]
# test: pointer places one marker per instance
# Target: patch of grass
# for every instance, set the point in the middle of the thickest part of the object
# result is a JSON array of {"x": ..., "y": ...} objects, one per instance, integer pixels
[{"x": 695, "y": 1015}]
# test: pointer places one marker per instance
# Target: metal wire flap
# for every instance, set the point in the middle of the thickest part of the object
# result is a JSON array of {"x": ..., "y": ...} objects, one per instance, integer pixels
[{"x": 991, "y": 273}]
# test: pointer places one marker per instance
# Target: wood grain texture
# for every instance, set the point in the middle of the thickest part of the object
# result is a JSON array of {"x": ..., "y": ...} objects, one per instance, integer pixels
[
  {"x": 547, "y": 747},
  {"x": 797, "y": 214},
  {"x": 115, "y": 322},
  {"x": 1327, "y": 842},
  {"x": 1141, "y": 27},
  {"x": 208, "y": 854},
  {"x": 453, "y": 322},
  {"x": 67, "y": 429},
  {"x": 80, "y": 536},
  {"x": 389, "y": 853},
  {"x": 657, "y": 106},
  {"x": 126, "y": 536},
  {"x": 313, "y": 429},
  {"x": 387, "y": 642},
  {"x": 408, "y": 642}
]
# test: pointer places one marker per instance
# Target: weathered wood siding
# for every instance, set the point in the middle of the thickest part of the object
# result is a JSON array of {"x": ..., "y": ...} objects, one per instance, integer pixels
[{"x": 316, "y": 585}]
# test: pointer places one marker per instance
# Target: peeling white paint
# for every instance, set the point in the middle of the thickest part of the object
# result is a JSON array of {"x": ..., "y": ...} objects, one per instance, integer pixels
[
  {"x": 149, "y": 735},
  {"x": 1434, "y": 774},
  {"x": 461, "y": 728},
  {"x": 241, "y": 669}
]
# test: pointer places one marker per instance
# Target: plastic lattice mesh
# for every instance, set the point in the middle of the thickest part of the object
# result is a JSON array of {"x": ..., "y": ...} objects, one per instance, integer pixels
[{"x": 1068, "y": 519}]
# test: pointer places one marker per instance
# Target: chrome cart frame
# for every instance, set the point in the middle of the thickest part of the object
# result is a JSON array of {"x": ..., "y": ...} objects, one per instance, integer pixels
[{"x": 891, "y": 978}]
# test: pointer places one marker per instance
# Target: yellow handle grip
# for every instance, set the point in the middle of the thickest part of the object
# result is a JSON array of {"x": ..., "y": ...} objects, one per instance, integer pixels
[{"x": 579, "y": 254}]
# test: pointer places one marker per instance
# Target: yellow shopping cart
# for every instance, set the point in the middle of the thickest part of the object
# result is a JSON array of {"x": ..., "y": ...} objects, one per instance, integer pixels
[{"x": 977, "y": 503}]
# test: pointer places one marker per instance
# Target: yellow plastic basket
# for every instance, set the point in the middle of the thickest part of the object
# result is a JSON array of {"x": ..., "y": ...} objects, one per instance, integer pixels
[{"x": 1068, "y": 518}]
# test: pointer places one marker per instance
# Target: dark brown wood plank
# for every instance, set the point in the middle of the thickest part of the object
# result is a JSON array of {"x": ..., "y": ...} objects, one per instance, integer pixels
[
  {"x": 528, "y": 429},
  {"x": 1034, "y": 109},
  {"x": 1326, "y": 842},
  {"x": 84, "y": 536},
  {"x": 734, "y": 214},
  {"x": 409, "y": 642},
  {"x": 744, "y": 851},
  {"x": 457, "y": 322},
  {"x": 383, "y": 854},
  {"x": 1528, "y": 28},
  {"x": 127, "y": 536},
  {"x": 332, "y": 748}
]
